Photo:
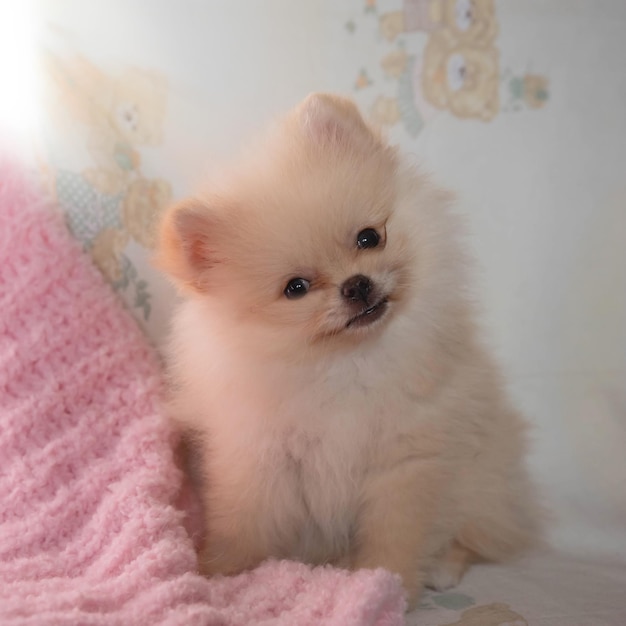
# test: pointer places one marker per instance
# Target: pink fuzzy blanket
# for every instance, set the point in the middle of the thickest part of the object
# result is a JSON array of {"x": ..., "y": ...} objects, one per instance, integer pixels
[{"x": 88, "y": 531}]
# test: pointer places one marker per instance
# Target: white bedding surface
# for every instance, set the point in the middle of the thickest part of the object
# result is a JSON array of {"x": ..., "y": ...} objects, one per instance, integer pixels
[{"x": 551, "y": 589}]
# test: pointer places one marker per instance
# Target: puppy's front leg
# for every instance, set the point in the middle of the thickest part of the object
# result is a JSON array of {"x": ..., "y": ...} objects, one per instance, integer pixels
[
  {"x": 231, "y": 548},
  {"x": 394, "y": 531},
  {"x": 234, "y": 518}
]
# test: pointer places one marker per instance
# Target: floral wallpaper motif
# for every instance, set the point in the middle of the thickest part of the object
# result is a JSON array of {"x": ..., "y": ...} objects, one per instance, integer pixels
[
  {"x": 109, "y": 203},
  {"x": 440, "y": 56}
]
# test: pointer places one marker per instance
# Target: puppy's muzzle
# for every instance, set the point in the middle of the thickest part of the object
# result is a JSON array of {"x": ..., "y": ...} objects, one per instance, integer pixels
[
  {"x": 357, "y": 290},
  {"x": 365, "y": 302}
]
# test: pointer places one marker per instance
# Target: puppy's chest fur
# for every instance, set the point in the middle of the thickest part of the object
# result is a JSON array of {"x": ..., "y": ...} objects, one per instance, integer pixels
[
  {"x": 308, "y": 462},
  {"x": 324, "y": 471}
]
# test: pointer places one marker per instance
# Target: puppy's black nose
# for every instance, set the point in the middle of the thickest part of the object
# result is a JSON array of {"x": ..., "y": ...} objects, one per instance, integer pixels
[{"x": 357, "y": 288}]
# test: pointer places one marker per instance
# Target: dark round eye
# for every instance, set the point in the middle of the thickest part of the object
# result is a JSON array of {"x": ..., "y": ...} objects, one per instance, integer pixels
[
  {"x": 367, "y": 238},
  {"x": 296, "y": 288}
]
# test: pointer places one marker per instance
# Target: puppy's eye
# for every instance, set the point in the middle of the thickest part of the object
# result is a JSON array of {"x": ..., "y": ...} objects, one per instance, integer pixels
[
  {"x": 367, "y": 238},
  {"x": 296, "y": 288}
]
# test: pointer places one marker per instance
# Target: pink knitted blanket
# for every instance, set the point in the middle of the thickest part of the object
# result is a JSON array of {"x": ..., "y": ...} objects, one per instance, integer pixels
[{"x": 88, "y": 532}]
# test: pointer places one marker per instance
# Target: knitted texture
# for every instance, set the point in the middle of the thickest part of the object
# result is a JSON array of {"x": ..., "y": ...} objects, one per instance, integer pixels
[{"x": 88, "y": 532}]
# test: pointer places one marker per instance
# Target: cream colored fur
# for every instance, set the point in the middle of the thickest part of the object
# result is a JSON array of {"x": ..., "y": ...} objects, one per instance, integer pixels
[{"x": 389, "y": 445}]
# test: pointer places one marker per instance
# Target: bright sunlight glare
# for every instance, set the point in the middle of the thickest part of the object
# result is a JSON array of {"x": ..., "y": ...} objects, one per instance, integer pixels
[{"x": 18, "y": 76}]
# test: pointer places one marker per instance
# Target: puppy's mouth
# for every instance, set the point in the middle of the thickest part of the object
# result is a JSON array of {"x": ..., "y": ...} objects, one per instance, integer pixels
[{"x": 369, "y": 315}]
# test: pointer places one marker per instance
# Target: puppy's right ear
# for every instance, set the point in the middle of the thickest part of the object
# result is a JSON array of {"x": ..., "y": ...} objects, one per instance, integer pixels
[
  {"x": 186, "y": 247},
  {"x": 331, "y": 119}
]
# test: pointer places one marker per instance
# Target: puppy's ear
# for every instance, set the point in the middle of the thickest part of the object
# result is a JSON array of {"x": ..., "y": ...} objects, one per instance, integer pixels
[
  {"x": 327, "y": 118},
  {"x": 187, "y": 243}
]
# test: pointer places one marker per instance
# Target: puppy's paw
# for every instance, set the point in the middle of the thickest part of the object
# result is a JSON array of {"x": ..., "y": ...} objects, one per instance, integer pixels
[
  {"x": 447, "y": 571},
  {"x": 412, "y": 598},
  {"x": 443, "y": 576}
]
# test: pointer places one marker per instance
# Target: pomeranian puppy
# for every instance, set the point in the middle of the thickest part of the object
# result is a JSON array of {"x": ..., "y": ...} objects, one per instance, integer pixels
[{"x": 327, "y": 362}]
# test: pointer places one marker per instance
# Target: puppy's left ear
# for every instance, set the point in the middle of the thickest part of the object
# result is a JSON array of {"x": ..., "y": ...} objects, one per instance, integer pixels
[
  {"x": 327, "y": 118},
  {"x": 186, "y": 248}
]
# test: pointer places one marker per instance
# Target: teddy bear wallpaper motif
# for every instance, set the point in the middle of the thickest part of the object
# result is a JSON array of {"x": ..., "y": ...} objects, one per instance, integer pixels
[
  {"x": 96, "y": 176},
  {"x": 460, "y": 77},
  {"x": 442, "y": 57}
]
